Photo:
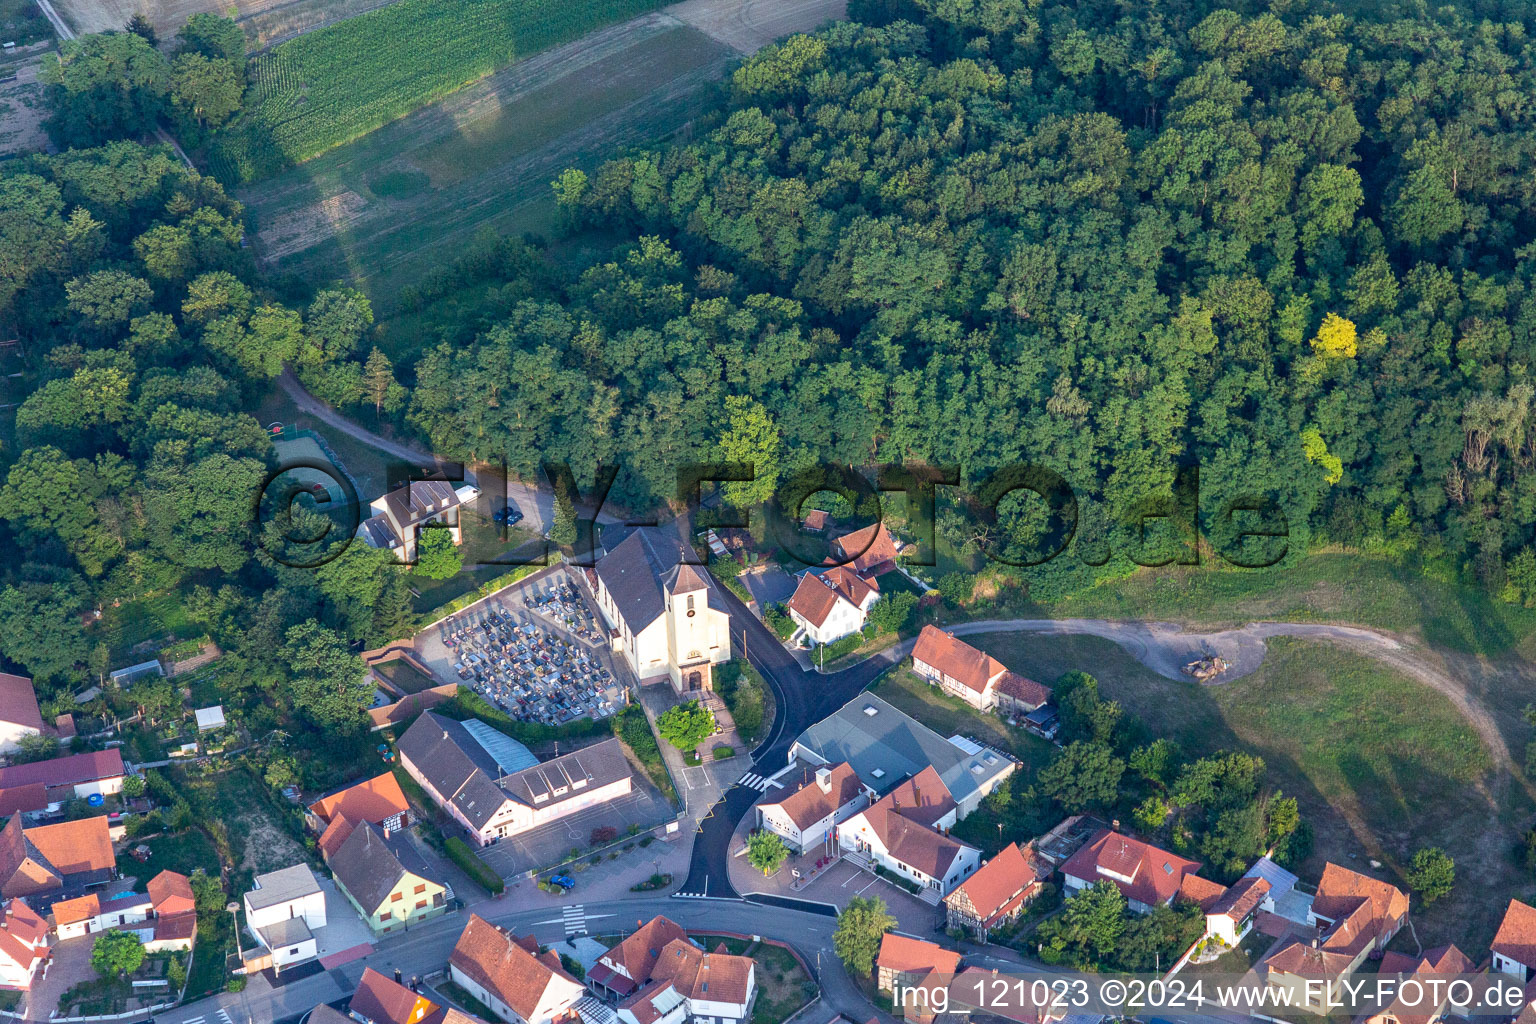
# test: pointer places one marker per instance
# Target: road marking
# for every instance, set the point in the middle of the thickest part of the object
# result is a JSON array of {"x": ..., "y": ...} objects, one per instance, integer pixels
[
  {"x": 575, "y": 920},
  {"x": 194, "y": 1020},
  {"x": 224, "y": 1016}
]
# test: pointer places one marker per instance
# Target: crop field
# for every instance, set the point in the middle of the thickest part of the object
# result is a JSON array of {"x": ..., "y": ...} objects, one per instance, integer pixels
[
  {"x": 378, "y": 210},
  {"x": 21, "y": 109},
  {"x": 336, "y": 84}
]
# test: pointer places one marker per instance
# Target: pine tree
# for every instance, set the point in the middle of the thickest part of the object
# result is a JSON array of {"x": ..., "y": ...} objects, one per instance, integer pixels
[{"x": 379, "y": 379}]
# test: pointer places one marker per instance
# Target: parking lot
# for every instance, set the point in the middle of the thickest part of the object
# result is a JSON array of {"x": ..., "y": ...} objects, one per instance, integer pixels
[
  {"x": 517, "y": 855},
  {"x": 536, "y": 650}
]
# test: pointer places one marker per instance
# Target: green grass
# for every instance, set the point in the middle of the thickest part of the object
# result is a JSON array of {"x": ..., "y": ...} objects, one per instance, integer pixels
[
  {"x": 490, "y": 152},
  {"x": 784, "y": 987},
  {"x": 183, "y": 852},
  {"x": 341, "y": 82},
  {"x": 135, "y": 622},
  {"x": 405, "y": 676},
  {"x": 22, "y": 23},
  {"x": 1323, "y": 587},
  {"x": 948, "y": 715},
  {"x": 1380, "y": 764}
]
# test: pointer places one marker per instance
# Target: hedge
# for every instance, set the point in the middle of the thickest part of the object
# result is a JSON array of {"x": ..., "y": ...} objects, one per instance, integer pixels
[{"x": 460, "y": 853}]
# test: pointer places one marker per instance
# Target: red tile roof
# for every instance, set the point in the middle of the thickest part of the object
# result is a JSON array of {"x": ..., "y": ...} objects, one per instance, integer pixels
[
  {"x": 1364, "y": 909},
  {"x": 975, "y": 670},
  {"x": 997, "y": 883},
  {"x": 74, "y": 911},
  {"x": 72, "y": 770},
  {"x": 21, "y": 799},
  {"x": 867, "y": 549},
  {"x": 1202, "y": 892},
  {"x": 504, "y": 966},
  {"x": 695, "y": 974},
  {"x": 374, "y": 800},
  {"x": 74, "y": 847},
  {"x": 816, "y": 520},
  {"x": 388, "y": 1002},
  {"x": 806, "y": 804},
  {"x": 1140, "y": 870},
  {"x": 1241, "y": 898},
  {"x": 174, "y": 927},
  {"x": 904, "y": 955},
  {"x": 22, "y": 935},
  {"x": 1023, "y": 689},
  {"x": 636, "y": 955},
  {"x": 18, "y": 702},
  {"x": 816, "y": 596},
  {"x": 1516, "y": 938},
  {"x": 171, "y": 893}
]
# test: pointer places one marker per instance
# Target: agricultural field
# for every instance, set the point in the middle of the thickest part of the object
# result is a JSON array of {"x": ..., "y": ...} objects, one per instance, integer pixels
[
  {"x": 21, "y": 108},
  {"x": 339, "y": 83},
  {"x": 376, "y": 211},
  {"x": 1380, "y": 764}
]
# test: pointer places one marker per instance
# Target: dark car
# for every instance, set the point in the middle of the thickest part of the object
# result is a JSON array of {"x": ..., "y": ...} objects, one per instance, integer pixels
[{"x": 509, "y": 514}]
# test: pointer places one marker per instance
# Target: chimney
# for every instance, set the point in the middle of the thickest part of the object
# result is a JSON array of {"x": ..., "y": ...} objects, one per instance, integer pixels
[
  {"x": 397, "y": 975},
  {"x": 824, "y": 779}
]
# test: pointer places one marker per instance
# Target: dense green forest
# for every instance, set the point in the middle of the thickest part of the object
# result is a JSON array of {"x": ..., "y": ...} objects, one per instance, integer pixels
[{"x": 1288, "y": 244}]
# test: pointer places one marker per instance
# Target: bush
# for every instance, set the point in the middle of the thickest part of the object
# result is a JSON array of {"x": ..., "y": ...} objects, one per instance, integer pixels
[
  {"x": 603, "y": 835},
  {"x": 460, "y": 853},
  {"x": 652, "y": 884},
  {"x": 686, "y": 725},
  {"x": 782, "y": 625},
  {"x": 723, "y": 753}
]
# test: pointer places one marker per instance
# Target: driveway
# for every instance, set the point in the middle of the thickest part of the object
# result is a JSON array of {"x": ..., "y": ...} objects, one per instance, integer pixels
[
  {"x": 69, "y": 965},
  {"x": 768, "y": 586}
]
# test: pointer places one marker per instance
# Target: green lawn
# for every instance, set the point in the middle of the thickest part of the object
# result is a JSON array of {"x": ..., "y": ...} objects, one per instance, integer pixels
[
  {"x": 183, "y": 852},
  {"x": 948, "y": 715},
  {"x": 132, "y": 623},
  {"x": 1380, "y": 764},
  {"x": 783, "y": 985},
  {"x": 1323, "y": 587}
]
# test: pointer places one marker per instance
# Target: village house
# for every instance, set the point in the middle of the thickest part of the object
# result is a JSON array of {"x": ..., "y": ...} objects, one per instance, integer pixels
[
  {"x": 691, "y": 986},
  {"x": 493, "y": 785},
  {"x": 868, "y": 553},
  {"x": 55, "y": 861},
  {"x": 20, "y": 717},
  {"x": 1230, "y": 917},
  {"x": 667, "y": 618},
  {"x": 805, "y": 816},
  {"x": 388, "y": 882},
  {"x": 1149, "y": 877},
  {"x": 974, "y": 676},
  {"x": 833, "y": 604},
  {"x": 1443, "y": 962},
  {"x": 885, "y": 747},
  {"x": 23, "y": 944},
  {"x": 378, "y": 800},
  {"x": 379, "y": 1000},
  {"x": 905, "y": 832},
  {"x": 1514, "y": 946},
  {"x": 163, "y": 918},
  {"x": 510, "y": 976},
  {"x": 284, "y": 911},
  {"x": 399, "y": 516},
  {"x": 1357, "y": 915},
  {"x": 46, "y": 786},
  {"x": 903, "y": 959},
  {"x": 997, "y": 893},
  {"x": 627, "y": 967}
]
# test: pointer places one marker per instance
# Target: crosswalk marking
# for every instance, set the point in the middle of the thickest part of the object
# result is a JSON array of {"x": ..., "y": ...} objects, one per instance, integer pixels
[
  {"x": 194, "y": 1020},
  {"x": 575, "y": 920},
  {"x": 752, "y": 780},
  {"x": 224, "y": 1016}
]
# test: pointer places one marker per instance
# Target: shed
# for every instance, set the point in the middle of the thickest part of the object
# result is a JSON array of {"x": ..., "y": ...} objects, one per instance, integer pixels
[{"x": 209, "y": 719}]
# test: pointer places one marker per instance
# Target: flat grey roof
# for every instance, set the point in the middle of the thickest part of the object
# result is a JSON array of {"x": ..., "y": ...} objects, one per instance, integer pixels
[
  {"x": 290, "y": 932},
  {"x": 276, "y": 887}
]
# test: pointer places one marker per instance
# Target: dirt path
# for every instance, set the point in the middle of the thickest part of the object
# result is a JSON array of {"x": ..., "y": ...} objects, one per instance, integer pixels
[{"x": 1165, "y": 647}]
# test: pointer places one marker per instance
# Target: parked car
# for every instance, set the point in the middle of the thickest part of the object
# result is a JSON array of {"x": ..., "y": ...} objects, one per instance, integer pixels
[
  {"x": 565, "y": 882},
  {"x": 509, "y": 514}
]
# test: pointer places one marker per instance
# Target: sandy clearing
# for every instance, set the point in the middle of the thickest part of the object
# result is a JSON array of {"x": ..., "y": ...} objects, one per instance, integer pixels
[
  {"x": 747, "y": 26},
  {"x": 21, "y": 112}
]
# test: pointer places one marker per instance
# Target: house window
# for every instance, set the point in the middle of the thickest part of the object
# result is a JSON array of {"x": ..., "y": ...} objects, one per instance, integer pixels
[
  {"x": 421, "y": 888},
  {"x": 384, "y": 916},
  {"x": 420, "y": 904},
  {"x": 396, "y": 897}
]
